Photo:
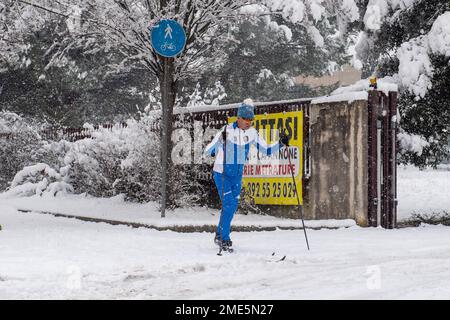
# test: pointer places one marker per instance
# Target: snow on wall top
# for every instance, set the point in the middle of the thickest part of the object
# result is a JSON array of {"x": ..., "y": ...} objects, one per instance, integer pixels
[
  {"x": 345, "y": 96},
  {"x": 386, "y": 85},
  {"x": 359, "y": 91}
]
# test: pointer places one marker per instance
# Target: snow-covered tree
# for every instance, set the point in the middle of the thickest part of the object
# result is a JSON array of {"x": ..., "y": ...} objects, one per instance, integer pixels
[
  {"x": 410, "y": 41},
  {"x": 268, "y": 53},
  {"x": 99, "y": 26},
  {"x": 83, "y": 91}
]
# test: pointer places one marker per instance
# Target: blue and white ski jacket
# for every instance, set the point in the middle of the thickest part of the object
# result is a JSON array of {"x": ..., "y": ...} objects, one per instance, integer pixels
[{"x": 237, "y": 148}]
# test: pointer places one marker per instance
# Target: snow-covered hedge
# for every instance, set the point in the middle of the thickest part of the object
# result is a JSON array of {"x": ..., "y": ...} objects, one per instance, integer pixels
[
  {"x": 38, "y": 179},
  {"x": 118, "y": 160},
  {"x": 19, "y": 145},
  {"x": 113, "y": 161}
]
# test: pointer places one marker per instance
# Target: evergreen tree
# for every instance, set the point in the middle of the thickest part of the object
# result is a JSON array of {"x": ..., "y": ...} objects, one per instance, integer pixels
[
  {"x": 429, "y": 117},
  {"x": 403, "y": 46},
  {"x": 265, "y": 55},
  {"x": 78, "y": 90}
]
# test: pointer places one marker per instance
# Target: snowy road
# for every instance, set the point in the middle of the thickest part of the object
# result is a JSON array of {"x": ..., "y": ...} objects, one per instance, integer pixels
[{"x": 47, "y": 257}]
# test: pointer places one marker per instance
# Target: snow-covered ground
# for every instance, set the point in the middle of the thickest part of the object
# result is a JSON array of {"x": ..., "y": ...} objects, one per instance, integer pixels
[
  {"x": 423, "y": 191},
  {"x": 47, "y": 257},
  {"x": 419, "y": 191},
  {"x": 117, "y": 209},
  {"x": 42, "y": 256}
]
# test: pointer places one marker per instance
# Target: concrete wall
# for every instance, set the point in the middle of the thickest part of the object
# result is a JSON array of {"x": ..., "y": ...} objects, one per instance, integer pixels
[{"x": 337, "y": 187}]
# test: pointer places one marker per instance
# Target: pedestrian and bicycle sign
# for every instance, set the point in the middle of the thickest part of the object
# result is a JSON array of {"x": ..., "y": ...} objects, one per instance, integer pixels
[{"x": 168, "y": 38}]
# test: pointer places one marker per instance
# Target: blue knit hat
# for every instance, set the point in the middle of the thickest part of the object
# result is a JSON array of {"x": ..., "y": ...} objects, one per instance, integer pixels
[{"x": 246, "y": 110}]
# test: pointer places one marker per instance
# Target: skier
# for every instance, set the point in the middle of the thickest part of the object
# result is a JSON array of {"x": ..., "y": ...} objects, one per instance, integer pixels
[{"x": 238, "y": 137}]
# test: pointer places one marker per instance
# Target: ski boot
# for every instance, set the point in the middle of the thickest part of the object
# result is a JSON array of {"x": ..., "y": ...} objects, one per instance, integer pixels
[{"x": 226, "y": 245}]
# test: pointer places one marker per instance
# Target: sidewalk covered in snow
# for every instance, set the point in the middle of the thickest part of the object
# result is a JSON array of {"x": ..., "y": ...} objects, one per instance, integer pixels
[
  {"x": 420, "y": 192},
  {"x": 44, "y": 257},
  {"x": 116, "y": 211}
]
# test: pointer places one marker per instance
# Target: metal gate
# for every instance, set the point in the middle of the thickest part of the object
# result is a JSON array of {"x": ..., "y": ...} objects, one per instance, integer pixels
[{"x": 382, "y": 159}]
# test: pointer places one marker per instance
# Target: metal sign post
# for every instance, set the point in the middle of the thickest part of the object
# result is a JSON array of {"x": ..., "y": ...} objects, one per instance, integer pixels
[{"x": 168, "y": 40}]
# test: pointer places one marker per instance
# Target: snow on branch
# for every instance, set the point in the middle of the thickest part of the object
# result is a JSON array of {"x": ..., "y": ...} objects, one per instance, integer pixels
[
  {"x": 415, "y": 68},
  {"x": 125, "y": 25}
]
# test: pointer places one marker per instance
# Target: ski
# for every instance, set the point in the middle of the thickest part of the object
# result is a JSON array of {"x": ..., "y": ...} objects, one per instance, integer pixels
[{"x": 276, "y": 258}]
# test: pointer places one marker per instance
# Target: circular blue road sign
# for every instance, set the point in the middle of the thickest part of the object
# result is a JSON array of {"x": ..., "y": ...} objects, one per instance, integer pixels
[{"x": 168, "y": 38}]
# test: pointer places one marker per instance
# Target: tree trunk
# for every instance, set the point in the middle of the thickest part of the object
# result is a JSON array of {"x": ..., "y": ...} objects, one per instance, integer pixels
[{"x": 168, "y": 94}]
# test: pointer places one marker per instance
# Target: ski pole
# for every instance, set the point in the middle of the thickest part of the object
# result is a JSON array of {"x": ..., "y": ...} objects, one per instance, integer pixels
[
  {"x": 300, "y": 210},
  {"x": 224, "y": 138}
]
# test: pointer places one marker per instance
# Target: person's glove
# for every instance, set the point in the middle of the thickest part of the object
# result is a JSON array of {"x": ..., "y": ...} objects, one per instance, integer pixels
[{"x": 284, "y": 139}]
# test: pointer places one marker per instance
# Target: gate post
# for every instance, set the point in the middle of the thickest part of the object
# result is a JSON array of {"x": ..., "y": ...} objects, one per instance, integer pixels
[
  {"x": 372, "y": 159},
  {"x": 393, "y": 130},
  {"x": 382, "y": 149}
]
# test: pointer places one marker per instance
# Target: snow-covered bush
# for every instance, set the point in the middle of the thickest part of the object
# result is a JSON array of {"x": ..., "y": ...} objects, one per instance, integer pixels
[
  {"x": 140, "y": 178},
  {"x": 118, "y": 160},
  {"x": 434, "y": 218},
  {"x": 38, "y": 179},
  {"x": 96, "y": 165},
  {"x": 19, "y": 143}
]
